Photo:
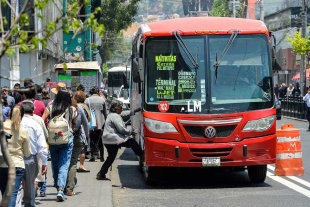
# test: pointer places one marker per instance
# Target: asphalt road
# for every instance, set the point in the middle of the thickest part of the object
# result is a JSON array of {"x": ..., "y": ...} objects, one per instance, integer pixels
[{"x": 203, "y": 188}]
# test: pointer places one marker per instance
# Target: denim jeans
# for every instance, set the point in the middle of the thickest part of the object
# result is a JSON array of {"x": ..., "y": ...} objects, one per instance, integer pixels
[
  {"x": 61, "y": 156},
  {"x": 4, "y": 180},
  {"x": 42, "y": 186}
]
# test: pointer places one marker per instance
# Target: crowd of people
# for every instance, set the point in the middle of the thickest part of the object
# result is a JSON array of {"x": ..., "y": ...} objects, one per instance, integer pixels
[
  {"x": 283, "y": 91},
  {"x": 65, "y": 129}
]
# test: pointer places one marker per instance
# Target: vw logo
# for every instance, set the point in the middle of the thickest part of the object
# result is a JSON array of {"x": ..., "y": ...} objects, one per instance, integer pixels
[{"x": 210, "y": 132}]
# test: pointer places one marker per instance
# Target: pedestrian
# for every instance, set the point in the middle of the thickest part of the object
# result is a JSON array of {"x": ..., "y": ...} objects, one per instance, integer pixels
[
  {"x": 19, "y": 147},
  {"x": 45, "y": 97},
  {"x": 40, "y": 181},
  {"x": 116, "y": 135},
  {"x": 16, "y": 94},
  {"x": 10, "y": 99},
  {"x": 96, "y": 103},
  {"x": 307, "y": 99},
  {"x": 30, "y": 94},
  {"x": 80, "y": 98},
  {"x": 61, "y": 153},
  {"x": 38, "y": 92},
  {"x": 290, "y": 90},
  {"x": 5, "y": 108},
  {"x": 37, "y": 147},
  {"x": 79, "y": 140}
]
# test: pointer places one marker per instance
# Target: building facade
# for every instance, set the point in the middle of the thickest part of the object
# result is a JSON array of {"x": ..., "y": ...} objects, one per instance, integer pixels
[{"x": 36, "y": 64}]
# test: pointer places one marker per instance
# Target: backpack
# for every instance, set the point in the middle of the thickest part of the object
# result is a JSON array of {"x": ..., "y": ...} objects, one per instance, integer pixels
[
  {"x": 92, "y": 124},
  {"x": 58, "y": 130}
]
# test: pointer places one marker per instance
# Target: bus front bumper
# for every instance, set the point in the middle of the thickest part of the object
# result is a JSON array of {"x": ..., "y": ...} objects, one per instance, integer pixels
[{"x": 171, "y": 153}]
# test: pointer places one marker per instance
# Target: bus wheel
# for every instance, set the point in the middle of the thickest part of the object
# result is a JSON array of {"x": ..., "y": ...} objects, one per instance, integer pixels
[
  {"x": 257, "y": 173},
  {"x": 141, "y": 164},
  {"x": 149, "y": 174}
]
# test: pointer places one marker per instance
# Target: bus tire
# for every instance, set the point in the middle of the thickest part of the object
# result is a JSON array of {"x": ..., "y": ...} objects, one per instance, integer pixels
[
  {"x": 149, "y": 174},
  {"x": 257, "y": 173},
  {"x": 141, "y": 164}
]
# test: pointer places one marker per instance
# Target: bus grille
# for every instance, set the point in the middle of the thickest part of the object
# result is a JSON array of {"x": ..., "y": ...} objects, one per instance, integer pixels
[
  {"x": 216, "y": 152},
  {"x": 221, "y": 131}
]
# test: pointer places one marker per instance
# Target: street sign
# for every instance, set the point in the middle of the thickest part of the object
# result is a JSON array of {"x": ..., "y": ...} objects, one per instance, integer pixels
[
  {"x": 51, "y": 84},
  {"x": 75, "y": 45}
]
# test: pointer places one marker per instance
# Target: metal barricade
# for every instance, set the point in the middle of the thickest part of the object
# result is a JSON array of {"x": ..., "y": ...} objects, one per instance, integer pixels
[{"x": 294, "y": 107}]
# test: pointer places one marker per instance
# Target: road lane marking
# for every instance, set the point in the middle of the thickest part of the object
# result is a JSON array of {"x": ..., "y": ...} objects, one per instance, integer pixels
[
  {"x": 289, "y": 184},
  {"x": 301, "y": 181}
]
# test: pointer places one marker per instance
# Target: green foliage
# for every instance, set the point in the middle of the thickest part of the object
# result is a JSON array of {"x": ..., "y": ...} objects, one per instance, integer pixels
[
  {"x": 19, "y": 37},
  {"x": 220, "y": 9},
  {"x": 300, "y": 45},
  {"x": 105, "y": 70},
  {"x": 115, "y": 16}
]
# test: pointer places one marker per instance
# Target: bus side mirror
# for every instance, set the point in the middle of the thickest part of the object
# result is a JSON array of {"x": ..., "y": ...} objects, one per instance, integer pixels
[
  {"x": 275, "y": 64},
  {"x": 141, "y": 69}
]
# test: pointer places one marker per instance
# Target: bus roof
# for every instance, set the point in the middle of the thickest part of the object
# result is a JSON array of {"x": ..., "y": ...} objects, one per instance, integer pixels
[
  {"x": 204, "y": 25},
  {"x": 119, "y": 69}
]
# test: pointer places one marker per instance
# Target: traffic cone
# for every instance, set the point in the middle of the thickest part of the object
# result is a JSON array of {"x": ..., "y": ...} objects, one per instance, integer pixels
[{"x": 289, "y": 153}]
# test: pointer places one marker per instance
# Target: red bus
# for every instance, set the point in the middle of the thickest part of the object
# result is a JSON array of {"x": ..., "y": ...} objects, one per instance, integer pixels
[{"x": 205, "y": 86}]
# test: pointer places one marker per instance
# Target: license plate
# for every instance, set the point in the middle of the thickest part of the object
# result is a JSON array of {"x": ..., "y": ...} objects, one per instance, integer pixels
[{"x": 211, "y": 161}]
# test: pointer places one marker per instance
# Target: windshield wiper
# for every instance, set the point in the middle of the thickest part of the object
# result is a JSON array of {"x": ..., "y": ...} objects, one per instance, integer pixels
[
  {"x": 186, "y": 50},
  {"x": 229, "y": 43}
]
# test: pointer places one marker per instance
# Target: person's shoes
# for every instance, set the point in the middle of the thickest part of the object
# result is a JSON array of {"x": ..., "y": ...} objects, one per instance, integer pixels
[
  {"x": 70, "y": 193},
  {"x": 92, "y": 159},
  {"x": 43, "y": 195},
  {"x": 100, "y": 177},
  {"x": 81, "y": 170},
  {"x": 60, "y": 196},
  {"x": 101, "y": 159},
  {"x": 308, "y": 130}
]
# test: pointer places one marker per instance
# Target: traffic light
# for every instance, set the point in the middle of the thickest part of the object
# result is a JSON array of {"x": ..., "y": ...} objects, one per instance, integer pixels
[{"x": 94, "y": 52}]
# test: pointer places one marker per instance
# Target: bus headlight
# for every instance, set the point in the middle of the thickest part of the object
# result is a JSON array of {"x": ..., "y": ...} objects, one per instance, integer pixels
[
  {"x": 159, "y": 126},
  {"x": 259, "y": 124}
]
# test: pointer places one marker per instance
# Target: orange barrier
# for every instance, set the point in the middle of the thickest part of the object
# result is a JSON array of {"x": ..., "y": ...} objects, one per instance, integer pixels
[{"x": 289, "y": 153}]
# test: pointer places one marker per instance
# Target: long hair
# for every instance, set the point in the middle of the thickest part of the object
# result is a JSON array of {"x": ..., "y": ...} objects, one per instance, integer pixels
[
  {"x": 16, "y": 116},
  {"x": 5, "y": 101},
  {"x": 45, "y": 94},
  {"x": 61, "y": 102}
]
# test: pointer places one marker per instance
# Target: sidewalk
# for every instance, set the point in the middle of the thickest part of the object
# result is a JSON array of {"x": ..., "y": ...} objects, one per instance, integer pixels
[{"x": 89, "y": 191}]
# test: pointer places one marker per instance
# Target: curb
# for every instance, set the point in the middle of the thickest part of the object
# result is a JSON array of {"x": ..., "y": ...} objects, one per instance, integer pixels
[{"x": 287, "y": 117}]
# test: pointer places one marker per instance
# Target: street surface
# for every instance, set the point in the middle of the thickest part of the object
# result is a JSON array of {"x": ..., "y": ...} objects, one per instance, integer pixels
[{"x": 202, "y": 188}]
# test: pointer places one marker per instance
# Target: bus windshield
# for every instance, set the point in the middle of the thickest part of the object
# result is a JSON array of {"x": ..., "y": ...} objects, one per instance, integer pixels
[{"x": 241, "y": 81}]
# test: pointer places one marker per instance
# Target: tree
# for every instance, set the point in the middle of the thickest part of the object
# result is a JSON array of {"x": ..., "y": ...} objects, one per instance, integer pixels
[
  {"x": 15, "y": 35},
  {"x": 300, "y": 45},
  {"x": 220, "y": 9},
  {"x": 116, "y": 16}
]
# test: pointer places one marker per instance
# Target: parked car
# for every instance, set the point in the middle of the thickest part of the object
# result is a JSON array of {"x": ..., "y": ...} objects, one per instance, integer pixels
[{"x": 278, "y": 108}]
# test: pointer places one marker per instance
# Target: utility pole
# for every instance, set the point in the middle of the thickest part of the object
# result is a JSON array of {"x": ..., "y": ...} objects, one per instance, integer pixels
[
  {"x": 199, "y": 5},
  {"x": 262, "y": 12},
  {"x": 234, "y": 8},
  {"x": 14, "y": 60},
  {"x": 303, "y": 64}
]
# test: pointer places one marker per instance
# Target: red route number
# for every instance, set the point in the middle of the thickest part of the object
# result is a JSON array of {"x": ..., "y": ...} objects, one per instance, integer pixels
[{"x": 163, "y": 106}]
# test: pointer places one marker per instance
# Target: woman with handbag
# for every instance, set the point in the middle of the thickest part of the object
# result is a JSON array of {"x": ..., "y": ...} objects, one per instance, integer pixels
[
  {"x": 60, "y": 138},
  {"x": 80, "y": 98},
  {"x": 80, "y": 134}
]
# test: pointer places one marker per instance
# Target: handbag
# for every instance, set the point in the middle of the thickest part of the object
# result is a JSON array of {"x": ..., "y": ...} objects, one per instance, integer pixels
[{"x": 92, "y": 124}]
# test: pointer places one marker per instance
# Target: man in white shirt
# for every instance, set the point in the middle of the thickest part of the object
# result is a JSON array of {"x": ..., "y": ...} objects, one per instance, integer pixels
[
  {"x": 37, "y": 147},
  {"x": 307, "y": 100}
]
